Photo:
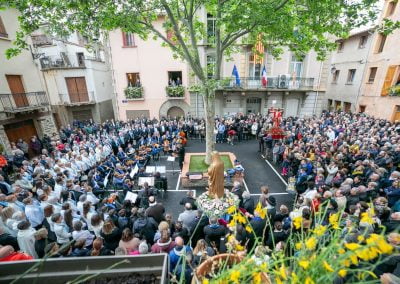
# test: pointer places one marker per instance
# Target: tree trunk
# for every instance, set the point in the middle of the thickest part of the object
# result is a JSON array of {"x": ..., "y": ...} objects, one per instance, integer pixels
[{"x": 209, "y": 110}]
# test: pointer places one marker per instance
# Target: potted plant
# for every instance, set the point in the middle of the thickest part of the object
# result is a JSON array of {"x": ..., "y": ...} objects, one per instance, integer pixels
[
  {"x": 395, "y": 91},
  {"x": 132, "y": 92},
  {"x": 175, "y": 91}
]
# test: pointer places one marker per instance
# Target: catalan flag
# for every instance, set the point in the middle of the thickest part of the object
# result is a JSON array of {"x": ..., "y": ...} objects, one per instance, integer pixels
[{"x": 259, "y": 47}]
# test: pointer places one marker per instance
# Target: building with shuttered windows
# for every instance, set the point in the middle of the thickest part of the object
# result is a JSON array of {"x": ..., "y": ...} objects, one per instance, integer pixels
[
  {"x": 24, "y": 103},
  {"x": 380, "y": 90}
]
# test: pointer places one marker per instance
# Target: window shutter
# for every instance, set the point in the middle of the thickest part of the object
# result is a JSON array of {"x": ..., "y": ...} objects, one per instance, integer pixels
[
  {"x": 3, "y": 32},
  {"x": 123, "y": 39},
  {"x": 388, "y": 80}
]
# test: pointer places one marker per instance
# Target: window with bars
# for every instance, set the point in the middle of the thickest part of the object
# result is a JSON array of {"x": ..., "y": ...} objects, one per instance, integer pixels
[
  {"x": 128, "y": 39},
  {"x": 3, "y": 32}
]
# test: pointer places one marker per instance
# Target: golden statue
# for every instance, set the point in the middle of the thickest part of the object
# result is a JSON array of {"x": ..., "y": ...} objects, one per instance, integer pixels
[{"x": 216, "y": 176}]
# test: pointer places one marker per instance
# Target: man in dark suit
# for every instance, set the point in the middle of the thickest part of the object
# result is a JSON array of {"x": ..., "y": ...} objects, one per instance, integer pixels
[
  {"x": 214, "y": 232},
  {"x": 181, "y": 155}
]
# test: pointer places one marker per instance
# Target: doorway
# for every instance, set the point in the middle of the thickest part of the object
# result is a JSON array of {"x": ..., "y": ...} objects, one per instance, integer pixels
[
  {"x": 253, "y": 105},
  {"x": 24, "y": 129},
  {"x": 175, "y": 112},
  {"x": 17, "y": 90}
]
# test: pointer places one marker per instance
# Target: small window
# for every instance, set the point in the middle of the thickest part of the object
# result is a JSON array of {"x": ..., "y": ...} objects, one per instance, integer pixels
[
  {"x": 81, "y": 59},
  {"x": 350, "y": 76},
  {"x": 210, "y": 66},
  {"x": 340, "y": 46},
  {"x": 128, "y": 39},
  {"x": 3, "y": 32},
  {"x": 362, "y": 108},
  {"x": 372, "y": 74},
  {"x": 363, "y": 42},
  {"x": 391, "y": 8},
  {"x": 380, "y": 43},
  {"x": 211, "y": 26},
  {"x": 174, "y": 78},
  {"x": 133, "y": 79},
  {"x": 335, "y": 76}
]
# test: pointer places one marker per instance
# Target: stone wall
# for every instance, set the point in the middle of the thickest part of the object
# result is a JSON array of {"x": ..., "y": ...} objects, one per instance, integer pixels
[
  {"x": 4, "y": 140},
  {"x": 47, "y": 125}
]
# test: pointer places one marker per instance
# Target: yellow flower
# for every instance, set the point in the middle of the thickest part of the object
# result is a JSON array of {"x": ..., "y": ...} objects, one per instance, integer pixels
[
  {"x": 249, "y": 229},
  {"x": 366, "y": 217},
  {"x": 257, "y": 278},
  {"x": 238, "y": 217},
  {"x": 278, "y": 280},
  {"x": 342, "y": 273},
  {"x": 297, "y": 222},
  {"x": 282, "y": 272},
  {"x": 309, "y": 281},
  {"x": 298, "y": 246},
  {"x": 231, "y": 238},
  {"x": 341, "y": 251},
  {"x": 231, "y": 210},
  {"x": 346, "y": 262},
  {"x": 360, "y": 238},
  {"x": 354, "y": 259},
  {"x": 334, "y": 221},
  {"x": 327, "y": 266},
  {"x": 232, "y": 223},
  {"x": 352, "y": 246},
  {"x": 320, "y": 230},
  {"x": 263, "y": 266},
  {"x": 311, "y": 243},
  {"x": 239, "y": 247},
  {"x": 235, "y": 275},
  {"x": 304, "y": 264},
  {"x": 260, "y": 211},
  {"x": 295, "y": 278},
  {"x": 384, "y": 247},
  {"x": 205, "y": 281}
]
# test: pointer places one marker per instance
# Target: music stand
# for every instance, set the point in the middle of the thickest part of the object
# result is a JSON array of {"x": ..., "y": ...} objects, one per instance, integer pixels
[{"x": 172, "y": 160}]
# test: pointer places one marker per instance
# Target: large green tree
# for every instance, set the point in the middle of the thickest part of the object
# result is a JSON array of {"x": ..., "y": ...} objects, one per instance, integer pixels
[{"x": 301, "y": 25}]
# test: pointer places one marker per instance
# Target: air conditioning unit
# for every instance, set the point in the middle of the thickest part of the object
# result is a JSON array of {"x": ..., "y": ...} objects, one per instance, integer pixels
[{"x": 283, "y": 81}]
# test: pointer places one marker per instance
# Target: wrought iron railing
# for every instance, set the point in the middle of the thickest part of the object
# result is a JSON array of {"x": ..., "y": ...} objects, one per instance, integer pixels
[
  {"x": 23, "y": 101},
  {"x": 77, "y": 98},
  {"x": 62, "y": 61},
  {"x": 278, "y": 82}
]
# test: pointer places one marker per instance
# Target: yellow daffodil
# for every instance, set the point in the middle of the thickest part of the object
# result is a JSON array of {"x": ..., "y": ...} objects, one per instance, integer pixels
[
  {"x": 334, "y": 221},
  {"x": 256, "y": 278},
  {"x": 239, "y": 247},
  {"x": 384, "y": 247},
  {"x": 304, "y": 264},
  {"x": 341, "y": 251},
  {"x": 353, "y": 259},
  {"x": 297, "y": 222},
  {"x": 352, "y": 246},
  {"x": 264, "y": 266},
  {"x": 327, "y": 266},
  {"x": 311, "y": 243},
  {"x": 232, "y": 223},
  {"x": 295, "y": 278},
  {"x": 231, "y": 210},
  {"x": 282, "y": 272},
  {"x": 320, "y": 230},
  {"x": 260, "y": 211},
  {"x": 366, "y": 217},
  {"x": 231, "y": 238},
  {"x": 234, "y": 276},
  {"x": 342, "y": 273},
  {"x": 205, "y": 281},
  {"x": 309, "y": 280},
  {"x": 346, "y": 262},
  {"x": 360, "y": 238},
  {"x": 298, "y": 246},
  {"x": 249, "y": 229},
  {"x": 278, "y": 280}
]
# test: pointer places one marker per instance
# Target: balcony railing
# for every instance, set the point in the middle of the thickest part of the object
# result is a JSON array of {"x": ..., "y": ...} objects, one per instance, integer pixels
[
  {"x": 175, "y": 92},
  {"x": 23, "y": 101},
  {"x": 62, "y": 61},
  {"x": 279, "y": 82},
  {"x": 41, "y": 40},
  {"x": 80, "y": 98}
]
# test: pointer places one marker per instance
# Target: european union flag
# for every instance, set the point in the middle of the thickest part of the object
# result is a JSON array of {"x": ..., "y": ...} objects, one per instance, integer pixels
[{"x": 236, "y": 74}]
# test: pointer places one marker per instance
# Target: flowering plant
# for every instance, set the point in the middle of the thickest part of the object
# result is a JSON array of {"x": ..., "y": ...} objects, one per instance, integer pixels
[
  {"x": 133, "y": 92},
  {"x": 175, "y": 91},
  {"x": 327, "y": 253},
  {"x": 216, "y": 207}
]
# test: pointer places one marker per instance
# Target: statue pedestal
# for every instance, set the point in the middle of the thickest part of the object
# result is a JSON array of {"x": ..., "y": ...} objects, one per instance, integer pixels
[{"x": 216, "y": 207}]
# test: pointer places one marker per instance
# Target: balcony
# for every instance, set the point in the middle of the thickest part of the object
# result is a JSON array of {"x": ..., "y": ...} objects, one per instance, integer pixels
[
  {"x": 77, "y": 99},
  {"x": 62, "y": 61},
  {"x": 175, "y": 92},
  {"x": 134, "y": 93},
  {"x": 273, "y": 83},
  {"x": 41, "y": 40},
  {"x": 14, "y": 103}
]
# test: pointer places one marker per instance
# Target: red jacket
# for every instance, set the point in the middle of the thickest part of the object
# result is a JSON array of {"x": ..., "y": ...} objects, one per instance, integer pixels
[{"x": 15, "y": 256}]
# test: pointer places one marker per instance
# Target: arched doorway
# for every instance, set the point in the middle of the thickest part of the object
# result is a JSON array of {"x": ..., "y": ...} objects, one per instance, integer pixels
[
  {"x": 175, "y": 112},
  {"x": 253, "y": 105}
]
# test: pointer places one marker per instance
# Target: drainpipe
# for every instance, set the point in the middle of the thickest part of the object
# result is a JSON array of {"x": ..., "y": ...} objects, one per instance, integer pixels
[{"x": 319, "y": 82}]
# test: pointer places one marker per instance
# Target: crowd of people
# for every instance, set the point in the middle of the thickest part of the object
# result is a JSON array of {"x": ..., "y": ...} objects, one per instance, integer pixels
[{"x": 55, "y": 199}]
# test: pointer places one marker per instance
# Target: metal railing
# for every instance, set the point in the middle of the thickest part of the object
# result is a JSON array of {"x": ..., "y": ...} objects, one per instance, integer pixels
[
  {"x": 62, "y": 61},
  {"x": 23, "y": 101},
  {"x": 41, "y": 40},
  {"x": 79, "y": 98},
  {"x": 278, "y": 82}
]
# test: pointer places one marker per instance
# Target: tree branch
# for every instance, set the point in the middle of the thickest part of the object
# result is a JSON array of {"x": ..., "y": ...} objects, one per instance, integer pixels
[
  {"x": 228, "y": 41},
  {"x": 281, "y": 5}
]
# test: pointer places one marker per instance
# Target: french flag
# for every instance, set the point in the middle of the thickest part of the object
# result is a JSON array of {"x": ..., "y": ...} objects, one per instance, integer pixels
[{"x": 264, "y": 80}]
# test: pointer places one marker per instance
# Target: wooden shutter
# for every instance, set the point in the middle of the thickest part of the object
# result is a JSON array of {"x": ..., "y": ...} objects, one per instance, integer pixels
[
  {"x": 3, "y": 32},
  {"x": 17, "y": 90},
  {"x": 24, "y": 129},
  {"x": 388, "y": 80},
  {"x": 72, "y": 90},
  {"x": 123, "y": 39},
  {"x": 82, "y": 89}
]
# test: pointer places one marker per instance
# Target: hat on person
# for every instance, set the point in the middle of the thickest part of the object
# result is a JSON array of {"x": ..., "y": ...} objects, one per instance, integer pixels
[{"x": 271, "y": 200}]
